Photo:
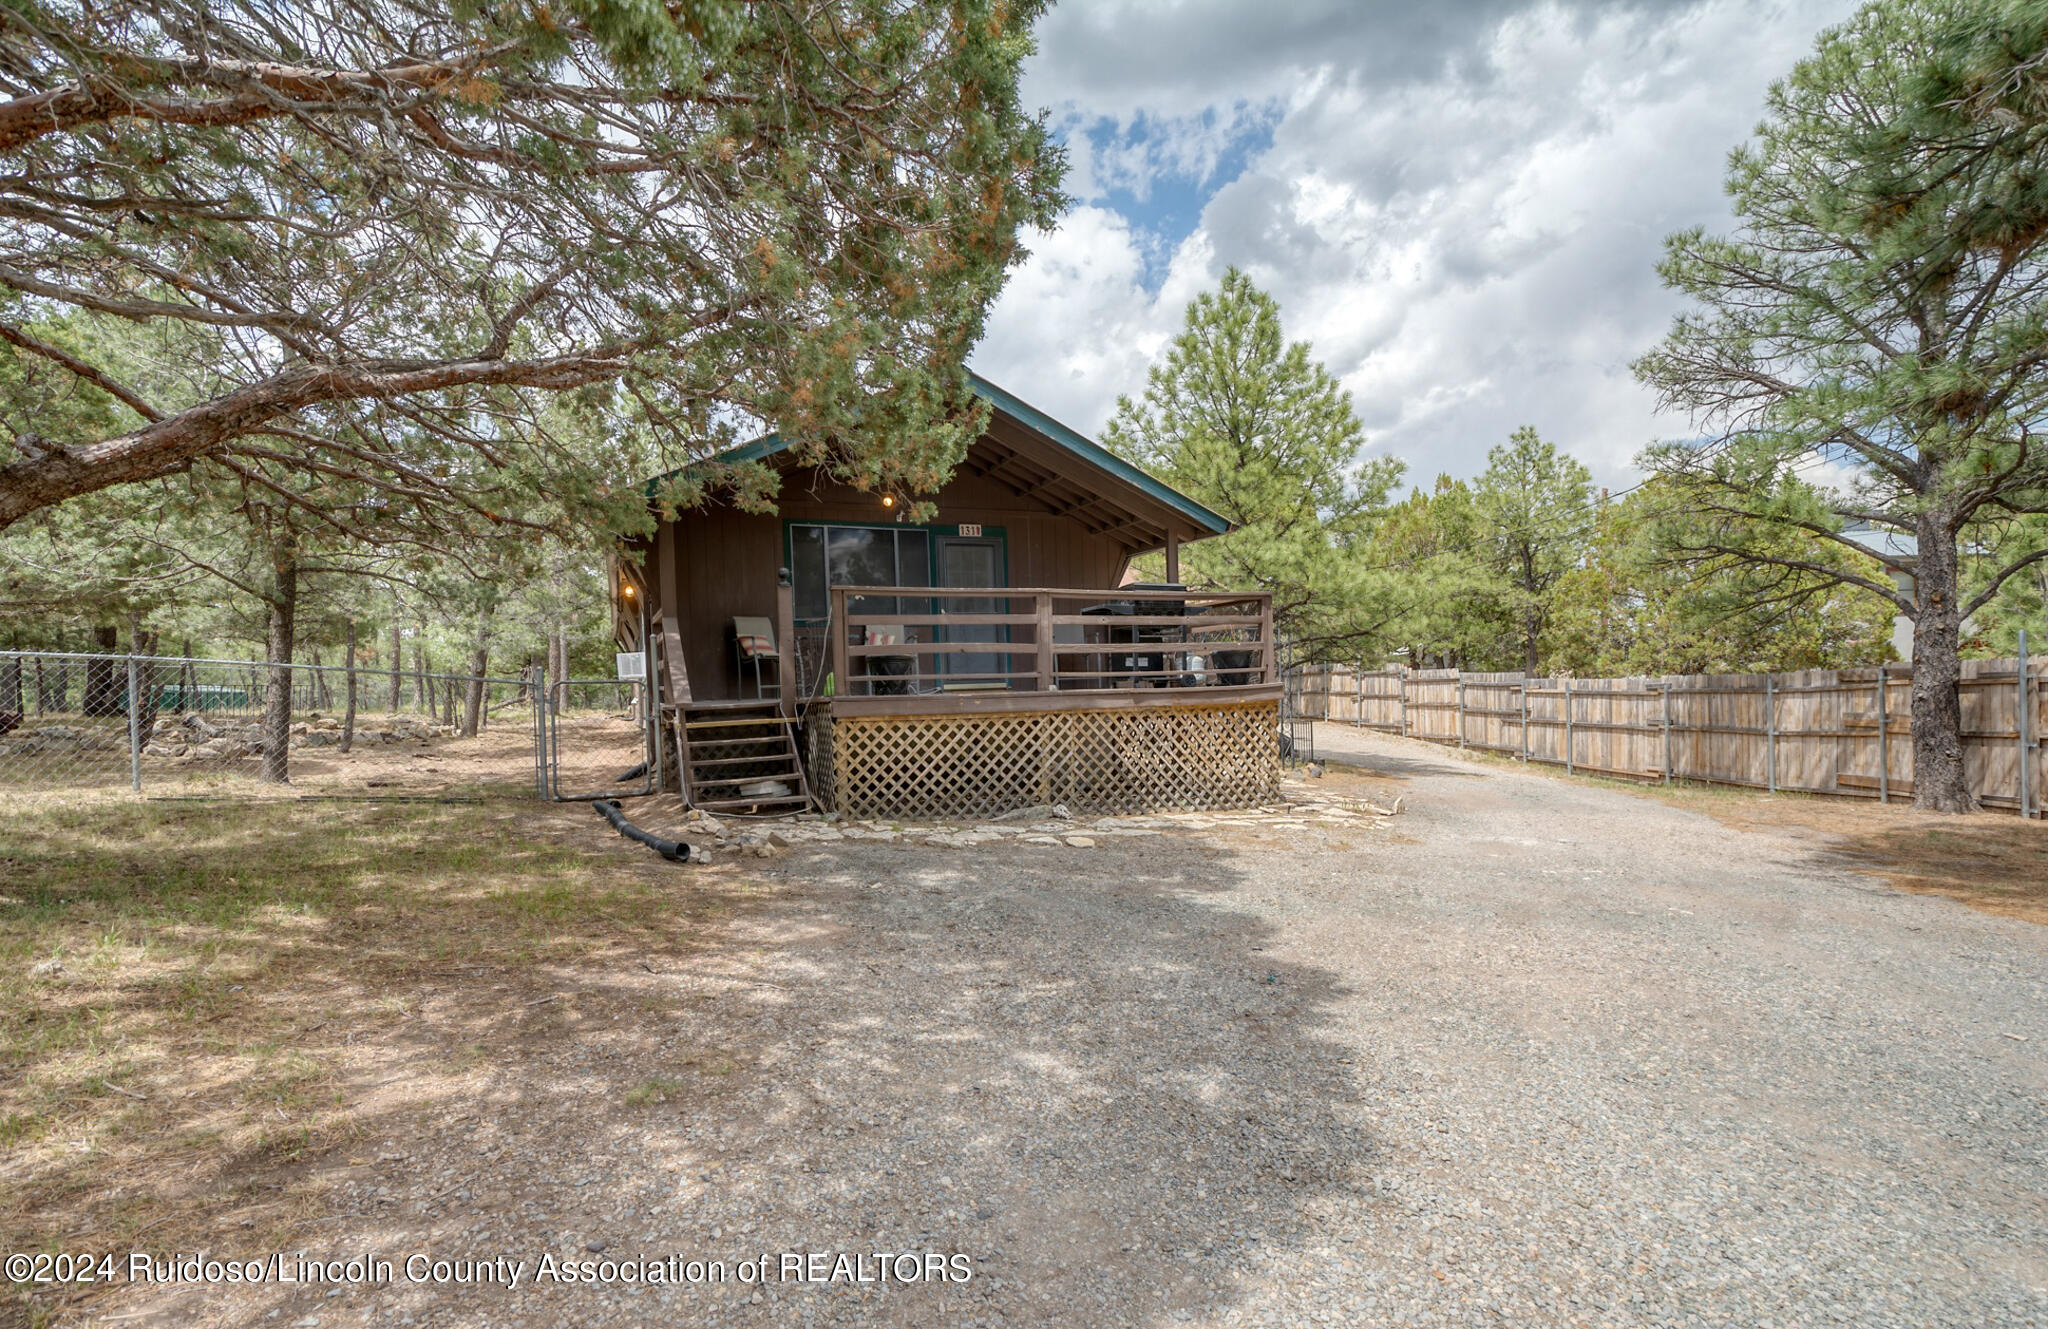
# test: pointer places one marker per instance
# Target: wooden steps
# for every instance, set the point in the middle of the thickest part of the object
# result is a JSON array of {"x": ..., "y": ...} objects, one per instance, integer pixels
[{"x": 728, "y": 748}]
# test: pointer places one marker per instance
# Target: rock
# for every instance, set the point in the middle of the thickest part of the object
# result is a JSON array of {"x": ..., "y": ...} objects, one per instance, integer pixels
[
  {"x": 1080, "y": 842},
  {"x": 1039, "y": 812},
  {"x": 51, "y": 968}
]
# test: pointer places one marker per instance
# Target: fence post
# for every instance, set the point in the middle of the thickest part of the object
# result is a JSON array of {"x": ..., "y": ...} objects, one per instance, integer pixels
[
  {"x": 1524, "y": 687},
  {"x": 2026, "y": 728},
  {"x": 1461, "y": 708},
  {"x": 1771, "y": 730},
  {"x": 1666, "y": 687},
  {"x": 1884, "y": 739},
  {"x": 1404, "y": 704},
  {"x": 134, "y": 729},
  {"x": 1568, "y": 767},
  {"x": 540, "y": 731}
]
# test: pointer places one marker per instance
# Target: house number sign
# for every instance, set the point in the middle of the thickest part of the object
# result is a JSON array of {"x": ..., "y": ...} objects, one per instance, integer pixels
[{"x": 969, "y": 532}]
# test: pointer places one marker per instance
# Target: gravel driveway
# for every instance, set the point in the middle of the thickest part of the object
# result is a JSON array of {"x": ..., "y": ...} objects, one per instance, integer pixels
[{"x": 1545, "y": 1053}]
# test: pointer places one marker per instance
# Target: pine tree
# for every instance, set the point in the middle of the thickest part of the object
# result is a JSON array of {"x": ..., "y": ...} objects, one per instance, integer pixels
[
  {"x": 1254, "y": 429},
  {"x": 1878, "y": 310},
  {"x": 1535, "y": 511}
]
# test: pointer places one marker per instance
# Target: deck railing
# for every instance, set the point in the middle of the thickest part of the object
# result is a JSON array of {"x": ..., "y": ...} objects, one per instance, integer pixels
[{"x": 916, "y": 644}]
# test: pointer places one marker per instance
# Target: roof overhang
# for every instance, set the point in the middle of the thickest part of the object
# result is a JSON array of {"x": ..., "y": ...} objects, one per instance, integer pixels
[{"x": 1038, "y": 458}]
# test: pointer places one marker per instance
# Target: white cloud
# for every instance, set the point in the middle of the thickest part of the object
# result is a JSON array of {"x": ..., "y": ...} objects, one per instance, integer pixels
[{"x": 1469, "y": 240}]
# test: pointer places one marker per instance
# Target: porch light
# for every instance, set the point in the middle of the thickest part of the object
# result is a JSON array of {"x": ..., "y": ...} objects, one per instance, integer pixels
[
  {"x": 888, "y": 500},
  {"x": 629, "y": 592}
]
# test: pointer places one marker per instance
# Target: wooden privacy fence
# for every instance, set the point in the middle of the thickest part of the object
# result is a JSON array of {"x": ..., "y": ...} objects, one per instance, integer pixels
[{"x": 1823, "y": 731}]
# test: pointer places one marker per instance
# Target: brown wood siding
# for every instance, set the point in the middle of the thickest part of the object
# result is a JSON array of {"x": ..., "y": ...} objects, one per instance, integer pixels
[{"x": 726, "y": 560}]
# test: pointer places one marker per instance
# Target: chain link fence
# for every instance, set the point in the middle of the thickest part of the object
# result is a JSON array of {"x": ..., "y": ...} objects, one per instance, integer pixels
[
  {"x": 171, "y": 725},
  {"x": 597, "y": 740}
]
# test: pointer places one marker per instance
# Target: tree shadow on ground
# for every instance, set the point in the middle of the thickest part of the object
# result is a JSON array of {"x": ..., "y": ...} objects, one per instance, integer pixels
[
  {"x": 494, "y": 1030},
  {"x": 1995, "y": 863}
]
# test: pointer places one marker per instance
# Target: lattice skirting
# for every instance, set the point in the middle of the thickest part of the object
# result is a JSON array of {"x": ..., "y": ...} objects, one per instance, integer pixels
[{"x": 1138, "y": 759}]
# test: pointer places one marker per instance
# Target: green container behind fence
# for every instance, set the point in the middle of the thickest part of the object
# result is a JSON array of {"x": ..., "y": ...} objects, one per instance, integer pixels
[{"x": 198, "y": 697}]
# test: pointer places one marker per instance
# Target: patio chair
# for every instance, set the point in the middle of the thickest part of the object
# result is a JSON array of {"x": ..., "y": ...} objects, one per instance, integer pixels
[
  {"x": 889, "y": 675},
  {"x": 753, "y": 643}
]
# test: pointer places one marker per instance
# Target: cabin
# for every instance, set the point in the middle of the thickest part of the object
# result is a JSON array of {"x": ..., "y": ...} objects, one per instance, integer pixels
[{"x": 995, "y": 658}]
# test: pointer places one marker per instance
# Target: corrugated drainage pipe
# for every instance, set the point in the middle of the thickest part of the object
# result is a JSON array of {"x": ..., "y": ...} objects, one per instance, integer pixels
[{"x": 675, "y": 851}]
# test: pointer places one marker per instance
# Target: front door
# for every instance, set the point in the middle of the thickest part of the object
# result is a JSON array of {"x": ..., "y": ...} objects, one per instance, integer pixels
[{"x": 973, "y": 561}]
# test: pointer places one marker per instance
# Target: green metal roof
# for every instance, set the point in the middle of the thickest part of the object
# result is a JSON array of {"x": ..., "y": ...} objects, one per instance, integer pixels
[{"x": 1030, "y": 416}]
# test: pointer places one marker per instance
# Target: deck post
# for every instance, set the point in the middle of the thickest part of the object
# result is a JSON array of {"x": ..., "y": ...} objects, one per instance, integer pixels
[
  {"x": 1271, "y": 647},
  {"x": 1771, "y": 730},
  {"x": 1048, "y": 664},
  {"x": 841, "y": 685},
  {"x": 1173, "y": 557},
  {"x": 1884, "y": 740},
  {"x": 785, "y": 643}
]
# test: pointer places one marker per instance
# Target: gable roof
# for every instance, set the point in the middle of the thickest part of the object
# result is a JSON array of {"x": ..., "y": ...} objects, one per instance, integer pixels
[
  {"x": 1088, "y": 450},
  {"x": 1148, "y": 505}
]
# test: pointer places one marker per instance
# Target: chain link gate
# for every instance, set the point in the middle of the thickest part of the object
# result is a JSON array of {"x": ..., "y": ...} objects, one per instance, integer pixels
[{"x": 597, "y": 742}]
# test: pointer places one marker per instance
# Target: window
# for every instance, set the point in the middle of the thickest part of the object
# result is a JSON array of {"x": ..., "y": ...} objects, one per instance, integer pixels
[{"x": 825, "y": 556}]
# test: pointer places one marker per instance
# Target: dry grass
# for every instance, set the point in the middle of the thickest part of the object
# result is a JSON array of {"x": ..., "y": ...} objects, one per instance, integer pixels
[
  {"x": 196, "y": 999},
  {"x": 1991, "y": 861}
]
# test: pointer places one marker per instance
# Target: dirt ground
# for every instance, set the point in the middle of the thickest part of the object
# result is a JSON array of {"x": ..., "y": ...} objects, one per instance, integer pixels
[
  {"x": 1532, "y": 1051},
  {"x": 1994, "y": 862}
]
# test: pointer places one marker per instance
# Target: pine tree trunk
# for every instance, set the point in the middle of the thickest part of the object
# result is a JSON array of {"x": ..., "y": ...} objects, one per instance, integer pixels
[
  {"x": 105, "y": 680},
  {"x": 277, "y": 695},
  {"x": 144, "y": 644},
  {"x": 1941, "y": 782},
  {"x": 11, "y": 699},
  {"x": 420, "y": 696},
  {"x": 397, "y": 666},
  {"x": 473, "y": 702},
  {"x": 448, "y": 715},
  {"x": 348, "y": 717}
]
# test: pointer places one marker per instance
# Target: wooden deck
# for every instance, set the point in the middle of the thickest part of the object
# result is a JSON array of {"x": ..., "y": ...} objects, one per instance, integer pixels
[
  {"x": 923, "y": 650},
  {"x": 1012, "y": 701}
]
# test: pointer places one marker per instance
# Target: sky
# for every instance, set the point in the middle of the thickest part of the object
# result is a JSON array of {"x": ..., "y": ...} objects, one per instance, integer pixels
[{"x": 1460, "y": 205}]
